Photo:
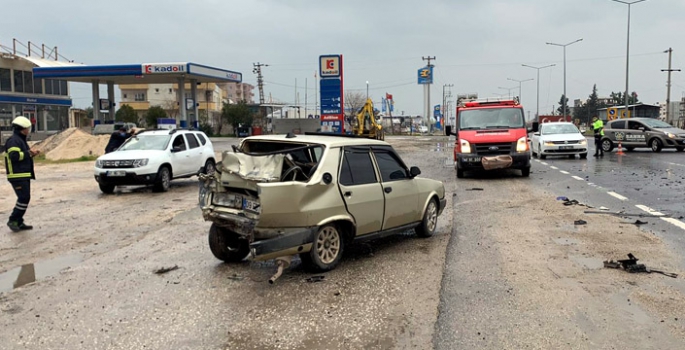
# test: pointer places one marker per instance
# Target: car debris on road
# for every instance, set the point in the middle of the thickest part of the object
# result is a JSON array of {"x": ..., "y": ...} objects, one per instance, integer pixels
[{"x": 632, "y": 266}]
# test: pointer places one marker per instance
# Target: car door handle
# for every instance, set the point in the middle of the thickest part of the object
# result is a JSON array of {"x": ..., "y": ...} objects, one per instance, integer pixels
[
  {"x": 388, "y": 189},
  {"x": 348, "y": 194}
]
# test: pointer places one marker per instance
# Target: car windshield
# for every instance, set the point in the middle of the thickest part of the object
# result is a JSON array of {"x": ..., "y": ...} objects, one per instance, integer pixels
[
  {"x": 146, "y": 142},
  {"x": 491, "y": 118},
  {"x": 552, "y": 129},
  {"x": 656, "y": 124}
]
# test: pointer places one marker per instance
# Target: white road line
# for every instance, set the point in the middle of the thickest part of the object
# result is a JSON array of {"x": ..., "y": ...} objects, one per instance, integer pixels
[
  {"x": 649, "y": 210},
  {"x": 564, "y": 172},
  {"x": 675, "y": 222},
  {"x": 543, "y": 163},
  {"x": 553, "y": 167},
  {"x": 536, "y": 160},
  {"x": 577, "y": 178},
  {"x": 618, "y": 196},
  {"x": 676, "y": 164}
]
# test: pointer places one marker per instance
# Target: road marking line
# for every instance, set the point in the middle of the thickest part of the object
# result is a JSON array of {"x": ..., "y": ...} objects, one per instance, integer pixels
[
  {"x": 577, "y": 178},
  {"x": 676, "y": 164},
  {"x": 553, "y": 167},
  {"x": 649, "y": 210},
  {"x": 564, "y": 172},
  {"x": 543, "y": 163},
  {"x": 616, "y": 195},
  {"x": 536, "y": 160},
  {"x": 675, "y": 222}
]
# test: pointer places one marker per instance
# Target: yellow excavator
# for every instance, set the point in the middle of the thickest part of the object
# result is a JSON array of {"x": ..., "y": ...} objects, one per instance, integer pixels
[{"x": 366, "y": 123}]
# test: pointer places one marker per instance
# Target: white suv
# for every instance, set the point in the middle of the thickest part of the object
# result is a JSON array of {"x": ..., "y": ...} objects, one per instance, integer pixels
[{"x": 155, "y": 157}]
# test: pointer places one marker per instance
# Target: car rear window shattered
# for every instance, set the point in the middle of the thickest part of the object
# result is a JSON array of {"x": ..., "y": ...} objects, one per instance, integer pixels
[{"x": 299, "y": 161}]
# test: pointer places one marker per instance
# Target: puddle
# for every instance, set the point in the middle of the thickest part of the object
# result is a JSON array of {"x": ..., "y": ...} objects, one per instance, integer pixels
[
  {"x": 567, "y": 241},
  {"x": 30, "y": 273},
  {"x": 588, "y": 263}
]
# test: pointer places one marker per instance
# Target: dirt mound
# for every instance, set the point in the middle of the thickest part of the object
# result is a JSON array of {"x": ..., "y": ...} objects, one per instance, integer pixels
[{"x": 72, "y": 143}]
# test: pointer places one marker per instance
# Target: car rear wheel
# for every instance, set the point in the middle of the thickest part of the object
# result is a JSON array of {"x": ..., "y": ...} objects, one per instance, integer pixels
[
  {"x": 107, "y": 189},
  {"x": 209, "y": 167},
  {"x": 430, "y": 220},
  {"x": 607, "y": 145},
  {"x": 227, "y": 245},
  {"x": 163, "y": 180},
  {"x": 327, "y": 249},
  {"x": 460, "y": 173},
  {"x": 656, "y": 145}
]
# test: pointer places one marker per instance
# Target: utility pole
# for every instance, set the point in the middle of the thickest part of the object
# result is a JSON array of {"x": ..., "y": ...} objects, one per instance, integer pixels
[
  {"x": 427, "y": 93},
  {"x": 668, "y": 85},
  {"x": 444, "y": 100},
  {"x": 260, "y": 79}
]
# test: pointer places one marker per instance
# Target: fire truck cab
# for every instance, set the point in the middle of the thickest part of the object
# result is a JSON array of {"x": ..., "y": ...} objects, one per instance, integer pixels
[{"x": 490, "y": 134}]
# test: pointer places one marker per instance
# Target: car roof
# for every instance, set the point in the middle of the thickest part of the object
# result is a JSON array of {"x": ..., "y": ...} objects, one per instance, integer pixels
[
  {"x": 328, "y": 141},
  {"x": 166, "y": 132},
  {"x": 557, "y": 123}
]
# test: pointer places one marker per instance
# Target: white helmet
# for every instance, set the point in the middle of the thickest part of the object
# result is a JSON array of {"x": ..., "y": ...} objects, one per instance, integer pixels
[{"x": 22, "y": 122}]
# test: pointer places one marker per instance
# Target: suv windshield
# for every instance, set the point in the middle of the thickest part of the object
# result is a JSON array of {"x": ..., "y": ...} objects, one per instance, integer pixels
[
  {"x": 657, "y": 124},
  {"x": 551, "y": 129},
  {"x": 146, "y": 142},
  {"x": 491, "y": 118}
]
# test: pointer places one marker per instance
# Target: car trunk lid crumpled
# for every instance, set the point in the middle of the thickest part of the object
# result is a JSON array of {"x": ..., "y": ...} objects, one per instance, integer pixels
[{"x": 231, "y": 197}]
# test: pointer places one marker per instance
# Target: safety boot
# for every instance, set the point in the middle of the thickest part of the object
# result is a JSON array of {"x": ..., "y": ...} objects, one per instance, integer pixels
[
  {"x": 14, "y": 226},
  {"x": 24, "y": 226}
]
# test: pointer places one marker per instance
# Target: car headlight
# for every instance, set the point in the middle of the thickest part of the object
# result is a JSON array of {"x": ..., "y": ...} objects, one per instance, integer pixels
[
  {"x": 465, "y": 146},
  {"x": 549, "y": 143},
  {"x": 671, "y": 135},
  {"x": 98, "y": 163},
  {"x": 140, "y": 162},
  {"x": 583, "y": 142},
  {"x": 522, "y": 144}
]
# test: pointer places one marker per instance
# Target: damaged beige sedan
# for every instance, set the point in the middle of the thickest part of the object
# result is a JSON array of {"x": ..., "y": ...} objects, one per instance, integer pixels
[{"x": 278, "y": 196}]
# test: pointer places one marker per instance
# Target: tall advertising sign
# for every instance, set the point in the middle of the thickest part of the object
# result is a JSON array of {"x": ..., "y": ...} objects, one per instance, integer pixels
[
  {"x": 425, "y": 75},
  {"x": 331, "y": 96}
]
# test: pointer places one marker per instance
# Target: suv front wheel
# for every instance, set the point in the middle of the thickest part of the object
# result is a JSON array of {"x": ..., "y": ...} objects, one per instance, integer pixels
[
  {"x": 163, "y": 179},
  {"x": 327, "y": 249}
]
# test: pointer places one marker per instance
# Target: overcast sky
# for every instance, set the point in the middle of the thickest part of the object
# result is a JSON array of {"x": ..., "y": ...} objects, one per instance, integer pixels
[{"x": 478, "y": 43}]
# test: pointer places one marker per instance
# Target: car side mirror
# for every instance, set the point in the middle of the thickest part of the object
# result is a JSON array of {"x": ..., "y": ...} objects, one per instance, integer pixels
[
  {"x": 176, "y": 149},
  {"x": 414, "y": 171},
  {"x": 536, "y": 127}
]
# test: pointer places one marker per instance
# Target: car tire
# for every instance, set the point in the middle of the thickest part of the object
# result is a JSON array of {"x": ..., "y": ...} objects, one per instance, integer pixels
[
  {"x": 656, "y": 145},
  {"x": 542, "y": 156},
  {"x": 227, "y": 245},
  {"x": 327, "y": 249},
  {"x": 583, "y": 156},
  {"x": 430, "y": 220},
  {"x": 680, "y": 149},
  {"x": 107, "y": 189},
  {"x": 607, "y": 145},
  {"x": 460, "y": 173},
  {"x": 209, "y": 168},
  {"x": 163, "y": 180},
  {"x": 525, "y": 172}
]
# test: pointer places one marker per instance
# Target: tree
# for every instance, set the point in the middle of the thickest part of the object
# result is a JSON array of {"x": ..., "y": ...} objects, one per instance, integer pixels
[
  {"x": 154, "y": 113},
  {"x": 563, "y": 101},
  {"x": 126, "y": 114},
  {"x": 237, "y": 114},
  {"x": 591, "y": 106},
  {"x": 354, "y": 101},
  {"x": 619, "y": 100}
]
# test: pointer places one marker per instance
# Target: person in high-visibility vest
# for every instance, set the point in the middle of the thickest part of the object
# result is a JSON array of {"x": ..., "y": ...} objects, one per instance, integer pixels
[
  {"x": 598, "y": 128},
  {"x": 19, "y": 166}
]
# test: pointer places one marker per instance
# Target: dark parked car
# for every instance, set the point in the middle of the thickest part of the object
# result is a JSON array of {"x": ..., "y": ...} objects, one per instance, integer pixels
[{"x": 642, "y": 132}]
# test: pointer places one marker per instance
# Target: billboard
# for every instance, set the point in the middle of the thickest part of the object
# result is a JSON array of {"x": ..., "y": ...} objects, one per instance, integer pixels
[
  {"x": 331, "y": 95},
  {"x": 425, "y": 75}
]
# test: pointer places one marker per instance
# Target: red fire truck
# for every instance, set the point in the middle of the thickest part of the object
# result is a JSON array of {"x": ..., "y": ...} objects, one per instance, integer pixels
[{"x": 490, "y": 134}]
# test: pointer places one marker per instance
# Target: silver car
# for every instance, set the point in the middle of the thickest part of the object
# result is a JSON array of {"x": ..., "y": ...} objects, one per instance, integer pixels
[{"x": 642, "y": 132}]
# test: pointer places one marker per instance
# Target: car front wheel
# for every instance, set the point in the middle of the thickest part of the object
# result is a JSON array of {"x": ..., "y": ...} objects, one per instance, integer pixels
[
  {"x": 607, "y": 145},
  {"x": 106, "y": 189},
  {"x": 656, "y": 145},
  {"x": 163, "y": 180},
  {"x": 327, "y": 249},
  {"x": 430, "y": 220}
]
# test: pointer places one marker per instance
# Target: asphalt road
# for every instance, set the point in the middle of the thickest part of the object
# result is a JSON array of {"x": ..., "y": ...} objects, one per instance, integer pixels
[{"x": 508, "y": 268}]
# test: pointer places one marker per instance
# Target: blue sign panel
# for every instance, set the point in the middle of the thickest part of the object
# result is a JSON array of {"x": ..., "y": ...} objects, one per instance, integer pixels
[
  {"x": 436, "y": 111},
  {"x": 426, "y": 75},
  {"x": 34, "y": 101},
  {"x": 331, "y": 96}
]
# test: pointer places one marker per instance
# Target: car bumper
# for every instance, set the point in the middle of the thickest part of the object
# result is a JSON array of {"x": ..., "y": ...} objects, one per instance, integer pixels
[
  {"x": 295, "y": 241},
  {"x": 474, "y": 162},
  {"x": 564, "y": 149},
  {"x": 130, "y": 178}
]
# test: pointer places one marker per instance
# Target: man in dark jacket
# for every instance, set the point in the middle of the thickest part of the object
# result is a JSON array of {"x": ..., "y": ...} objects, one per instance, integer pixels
[
  {"x": 117, "y": 139},
  {"x": 19, "y": 166}
]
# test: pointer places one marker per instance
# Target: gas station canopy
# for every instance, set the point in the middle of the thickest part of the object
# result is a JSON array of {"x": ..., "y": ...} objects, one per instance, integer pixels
[{"x": 146, "y": 73}]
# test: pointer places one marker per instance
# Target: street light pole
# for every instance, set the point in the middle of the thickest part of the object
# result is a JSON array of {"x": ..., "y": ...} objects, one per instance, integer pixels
[
  {"x": 564, "y": 46},
  {"x": 508, "y": 90},
  {"x": 627, "y": 50},
  {"x": 367, "y": 89},
  {"x": 537, "y": 110},
  {"x": 520, "y": 81}
]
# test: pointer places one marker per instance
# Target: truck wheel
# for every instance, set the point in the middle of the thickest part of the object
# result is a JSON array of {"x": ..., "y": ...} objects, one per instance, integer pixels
[
  {"x": 163, "y": 180},
  {"x": 460, "y": 173},
  {"x": 525, "y": 172},
  {"x": 327, "y": 250},
  {"x": 656, "y": 145},
  {"x": 430, "y": 220},
  {"x": 106, "y": 189},
  {"x": 607, "y": 145},
  {"x": 227, "y": 245}
]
